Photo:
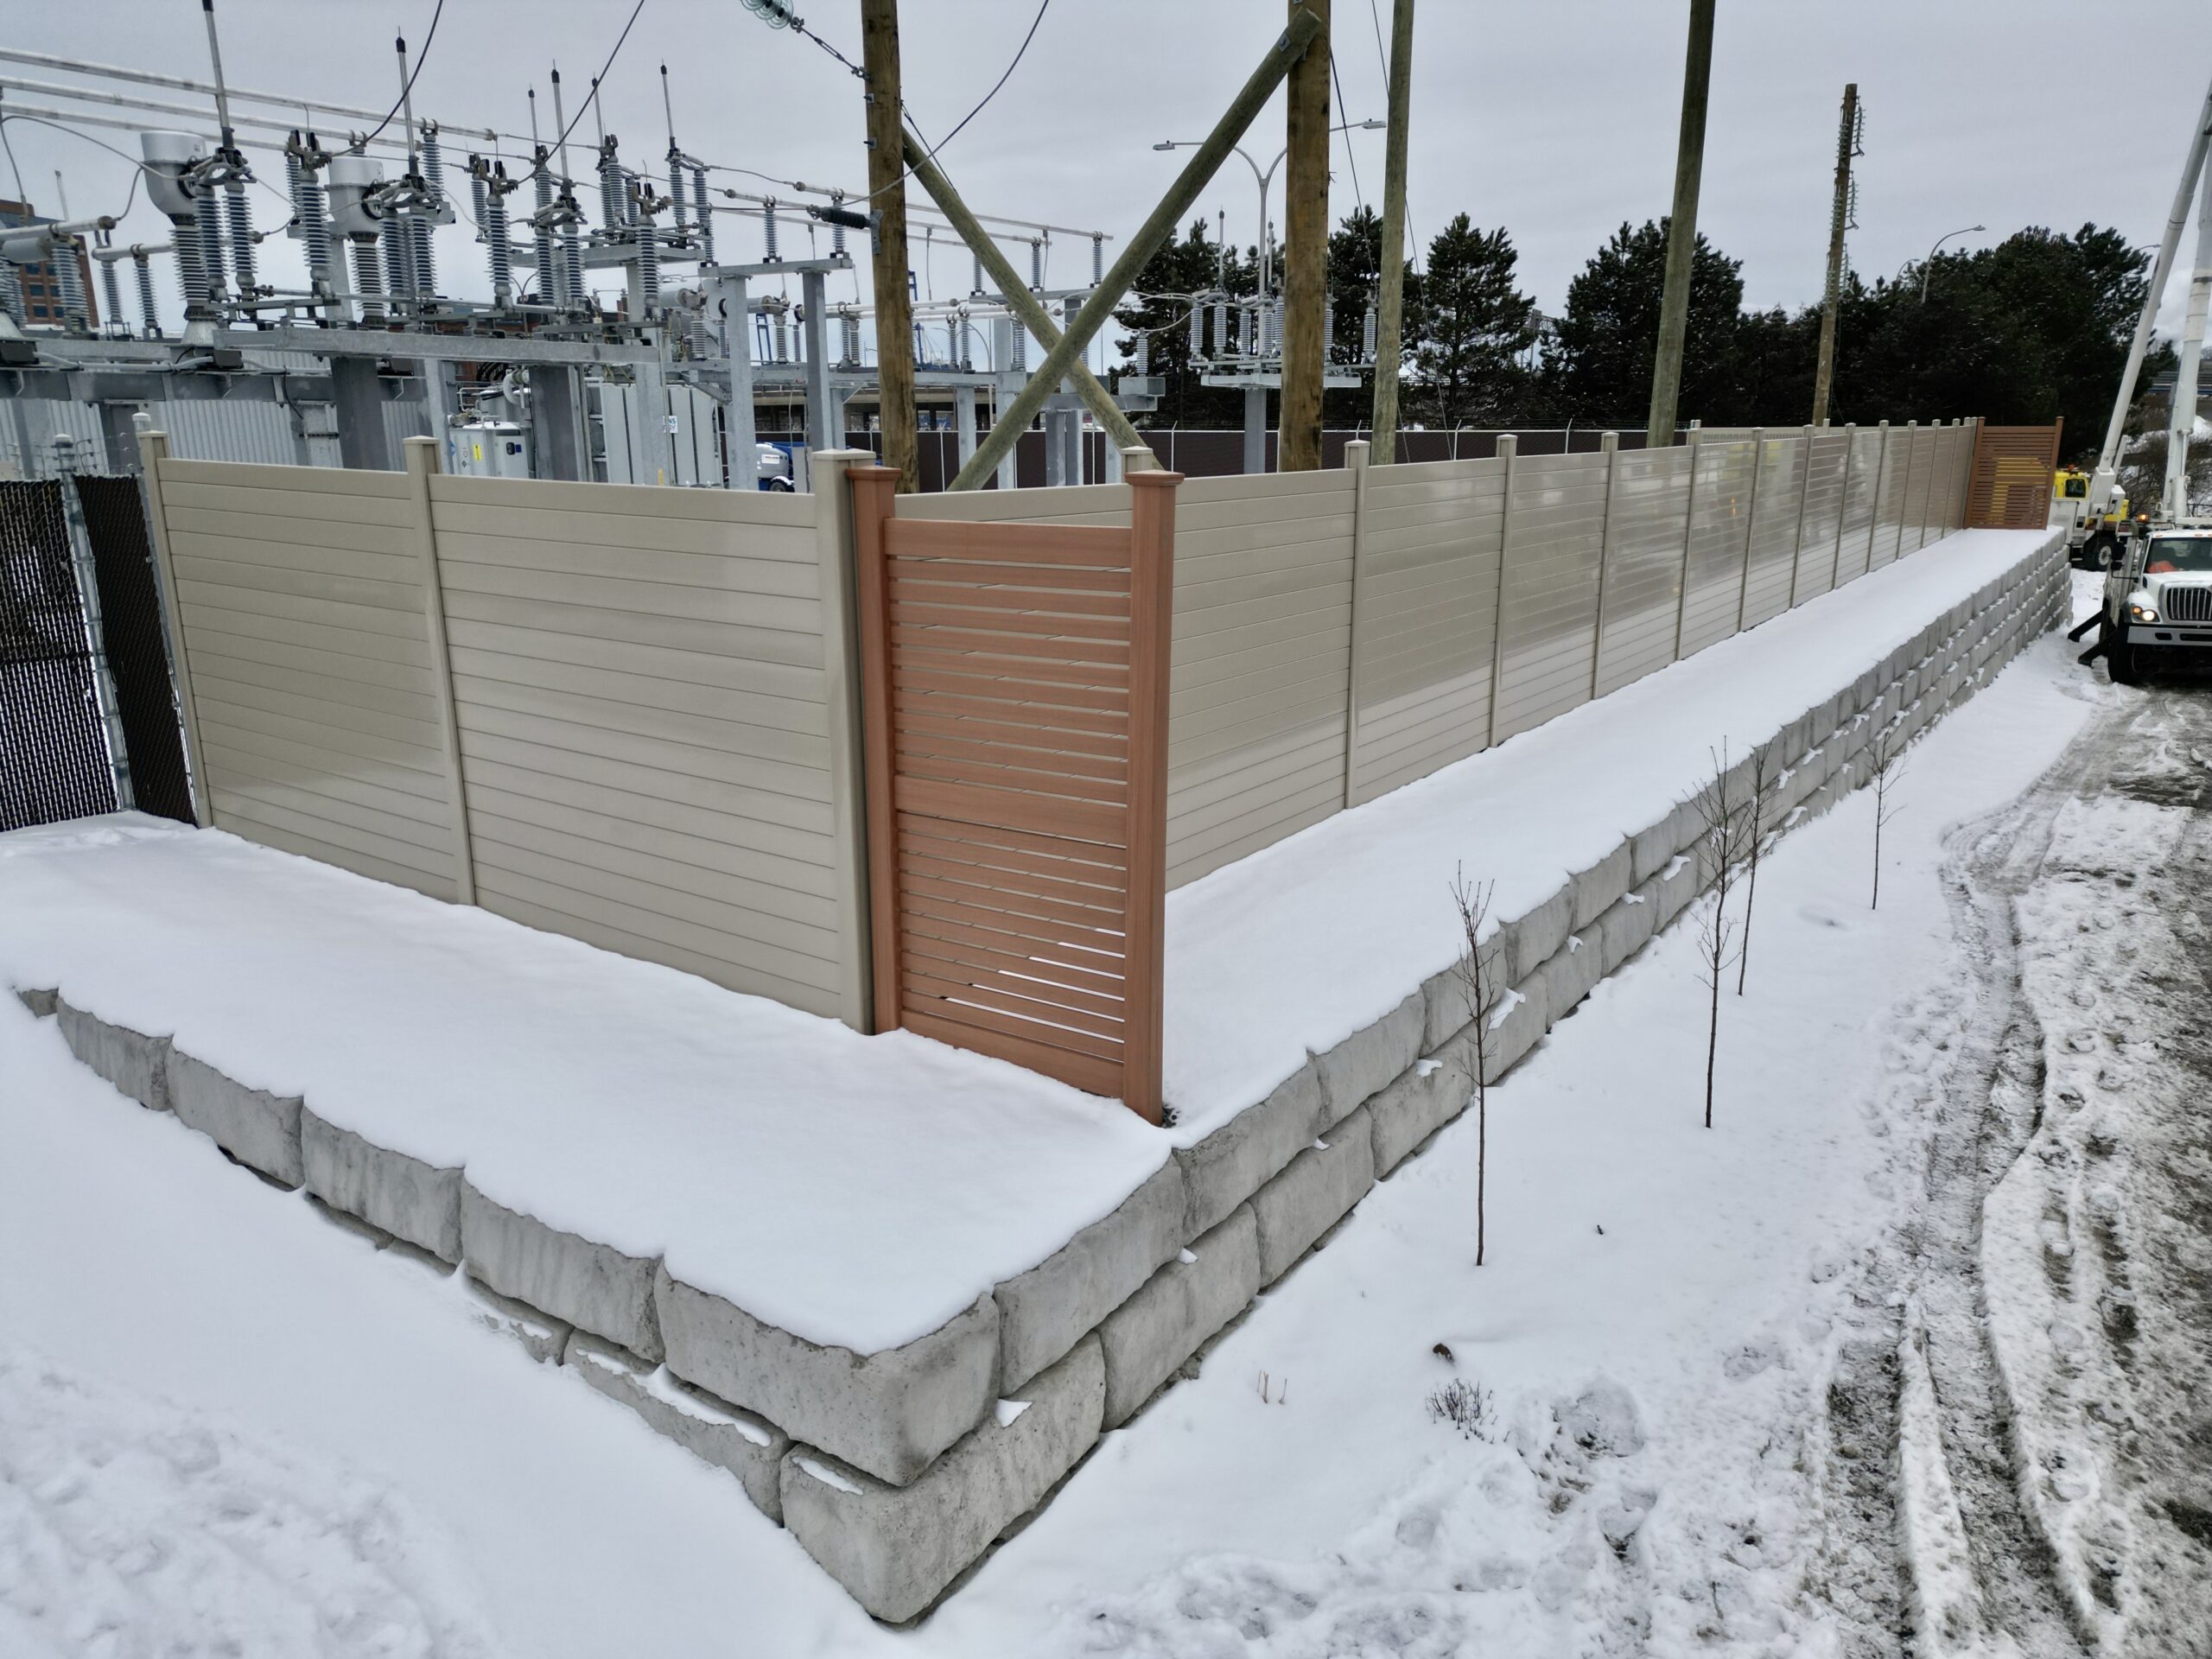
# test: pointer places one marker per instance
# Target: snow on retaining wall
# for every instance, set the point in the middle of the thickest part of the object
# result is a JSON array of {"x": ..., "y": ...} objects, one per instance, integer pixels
[{"x": 898, "y": 1468}]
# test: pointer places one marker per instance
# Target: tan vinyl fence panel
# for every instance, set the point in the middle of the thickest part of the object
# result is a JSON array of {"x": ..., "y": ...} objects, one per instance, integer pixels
[
  {"x": 1771, "y": 560},
  {"x": 1427, "y": 618},
  {"x": 1819, "y": 533},
  {"x": 639, "y": 684},
  {"x": 1862, "y": 483},
  {"x": 302, "y": 605},
  {"x": 1548, "y": 590},
  {"x": 1643, "y": 565},
  {"x": 1721, "y": 524}
]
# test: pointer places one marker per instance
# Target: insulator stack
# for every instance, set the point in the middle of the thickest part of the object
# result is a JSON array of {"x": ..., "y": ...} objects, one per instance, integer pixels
[
  {"x": 313, "y": 213},
  {"x": 241, "y": 234},
  {"x": 1367, "y": 336},
  {"x": 63, "y": 263},
  {"x": 1097, "y": 260},
  {"x": 1144, "y": 353},
  {"x": 921, "y": 347},
  {"x": 143, "y": 268},
  {"x": 494, "y": 221},
  {"x": 112, "y": 298},
  {"x": 648, "y": 264},
  {"x": 1275, "y": 326},
  {"x": 837, "y": 231},
  {"x": 548, "y": 281},
  {"x": 572, "y": 267},
  {"x": 367, "y": 287},
  {"x": 205, "y": 224},
  {"x": 476, "y": 196},
  {"x": 1021, "y": 352},
  {"x": 768, "y": 229},
  {"x": 850, "y": 327},
  {"x": 1198, "y": 328},
  {"x": 1037, "y": 264},
  {"x": 1328, "y": 330},
  {"x": 977, "y": 286},
  {"x": 1220, "y": 327},
  {"x": 189, "y": 275},
  {"x": 675, "y": 194},
  {"x": 434, "y": 167},
  {"x": 706, "y": 217},
  {"x": 421, "y": 255},
  {"x": 611, "y": 216},
  {"x": 398, "y": 259}
]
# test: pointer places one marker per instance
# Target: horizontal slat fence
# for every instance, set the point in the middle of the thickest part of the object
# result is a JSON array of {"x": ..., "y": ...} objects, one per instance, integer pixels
[
  {"x": 1336, "y": 632},
  {"x": 621, "y": 714}
]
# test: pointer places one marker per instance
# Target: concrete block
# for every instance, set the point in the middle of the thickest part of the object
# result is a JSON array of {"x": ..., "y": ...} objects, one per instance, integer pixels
[
  {"x": 1042, "y": 1312},
  {"x": 1542, "y": 932},
  {"x": 1673, "y": 891},
  {"x": 1146, "y": 1340},
  {"x": 1312, "y": 1194},
  {"x": 1509, "y": 1032},
  {"x": 593, "y": 1287},
  {"x": 543, "y": 1336},
  {"x": 1429, "y": 1095},
  {"x": 711, "y": 1430},
  {"x": 41, "y": 1003},
  {"x": 891, "y": 1413},
  {"x": 895, "y": 1549},
  {"x": 136, "y": 1064},
  {"x": 1369, "y": 1057},
  {"x": 1599, "y": 887},
  {"x": 1628, "y": 926},
  {"x": 404, "y": 1195},
  {"x": 1567, "y": 977},
  {"x": 1650, "y": 848},
  {"x": 261, "y": 1130},
  {"x": 1231, "y": 1164}
]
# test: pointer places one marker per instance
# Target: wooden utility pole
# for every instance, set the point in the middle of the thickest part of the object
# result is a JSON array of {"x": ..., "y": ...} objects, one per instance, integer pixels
[
  {"x": 1305, "y": 253},
  {"x": 1846, "y": 142},
  {"x": 886, "y": 196},
  {"x": 1681, "y": 230},
  {"x": 1391, "y": 304}
]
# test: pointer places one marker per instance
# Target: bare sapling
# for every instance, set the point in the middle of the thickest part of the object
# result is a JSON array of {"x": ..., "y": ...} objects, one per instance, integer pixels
[
  {"x": 1887, "y": 754},
  {"x": 1475, "y": 972},
  {"x": 1765, "y": 783},
  {"x": 1721, "y": 845}
]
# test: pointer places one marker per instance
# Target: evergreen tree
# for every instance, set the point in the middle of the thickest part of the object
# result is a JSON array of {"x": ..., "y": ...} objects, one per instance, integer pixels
[
  {"x": 1355, "y": 283},
  {"x": 1470, "y": 331},
  {"x": 1601, "y": 361}
]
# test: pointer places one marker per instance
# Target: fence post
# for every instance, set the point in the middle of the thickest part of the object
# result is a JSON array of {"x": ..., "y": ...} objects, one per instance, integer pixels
[
  {"x": 1804, "y": 506},
  {"x": 1843, "y": 507},
  {"x": 1152, "y": 621},
  {"x": 153, "y": 450},
  {"x": 874, "y": 497},
  {"x": 1689, "y": 534},
  {"x": 1751, "y": 524},
  {"x": 1905, "y": 495},
  {"x": 421, "y": 462},
  {"x": 88, "y": 607},
  {"x": 1356, "y": 459},
  {"x": 841, "y": 676},
  {"x": 1610, "y": 444},
  {"x": 1508, "y": 447}
]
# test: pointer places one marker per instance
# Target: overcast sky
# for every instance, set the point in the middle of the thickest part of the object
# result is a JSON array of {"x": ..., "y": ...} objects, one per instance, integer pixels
[{"x": 1556, "y": 120}]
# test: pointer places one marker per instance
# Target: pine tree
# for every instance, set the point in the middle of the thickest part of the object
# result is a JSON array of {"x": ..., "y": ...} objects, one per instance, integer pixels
[
  {"x": 1600, "y": 365},
  {"x": 1471, "y": 330}
]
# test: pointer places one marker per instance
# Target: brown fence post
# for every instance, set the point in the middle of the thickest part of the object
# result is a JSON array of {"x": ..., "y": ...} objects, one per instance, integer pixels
[
  {"x": 1152, "y": 604},
  {"x": 421, "y": 462},
  {"x": 875, "y": 493}
]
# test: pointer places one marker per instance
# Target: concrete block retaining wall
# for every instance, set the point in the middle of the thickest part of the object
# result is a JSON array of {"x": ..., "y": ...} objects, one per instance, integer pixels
[{"x": 898, "y": 1471}]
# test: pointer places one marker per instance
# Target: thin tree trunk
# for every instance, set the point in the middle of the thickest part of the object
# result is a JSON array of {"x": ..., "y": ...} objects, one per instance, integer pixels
[
  {"x": 1711, "y": 1046},
  {"x": 1751, "y": 897}
]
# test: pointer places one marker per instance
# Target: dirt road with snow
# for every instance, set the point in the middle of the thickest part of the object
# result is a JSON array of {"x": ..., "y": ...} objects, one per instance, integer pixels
[{"x": 2028, "y": 1354}]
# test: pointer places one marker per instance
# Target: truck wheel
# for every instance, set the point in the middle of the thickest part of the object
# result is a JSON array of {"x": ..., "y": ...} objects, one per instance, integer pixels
[
  {"x": 2121, "y": 658},
  {"x": 2097, "y": 556}
]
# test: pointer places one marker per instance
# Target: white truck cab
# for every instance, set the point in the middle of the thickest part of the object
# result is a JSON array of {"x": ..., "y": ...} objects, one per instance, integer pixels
[{"x": 2157, "y": 602}]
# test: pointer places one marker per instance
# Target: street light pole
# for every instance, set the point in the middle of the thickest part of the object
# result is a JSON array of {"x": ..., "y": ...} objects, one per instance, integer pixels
[
  {"x": 1265, "y": 181},
  {"x": 1930, "y": 260}
]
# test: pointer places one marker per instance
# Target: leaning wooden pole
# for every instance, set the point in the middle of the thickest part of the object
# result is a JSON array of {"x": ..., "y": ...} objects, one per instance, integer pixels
[
  {"x": 1024, "y": 305},
  {"x": 1305, "y": 251},
  {"x": 1015, "y": 418},
  {"x": 1391, "y": 304},
  {"x": 1681, "y": 231},
  {"x": 887, "y": 197}
]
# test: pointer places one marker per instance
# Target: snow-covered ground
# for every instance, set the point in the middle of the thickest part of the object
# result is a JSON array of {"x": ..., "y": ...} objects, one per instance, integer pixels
[{"x": 223, "y": 1416}]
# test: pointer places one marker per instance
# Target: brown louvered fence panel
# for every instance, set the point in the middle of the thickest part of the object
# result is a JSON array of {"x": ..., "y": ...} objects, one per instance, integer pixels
[
  {"x": 1015, "y": 696},
  {"x": 2012, "y": 469}
]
